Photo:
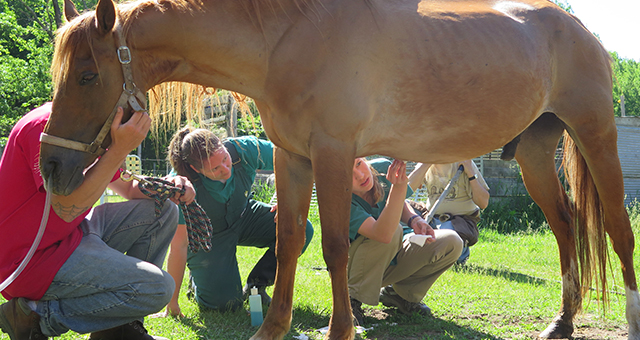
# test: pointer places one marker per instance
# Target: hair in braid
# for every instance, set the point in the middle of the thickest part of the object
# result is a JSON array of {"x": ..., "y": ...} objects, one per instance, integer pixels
[{"x": 191, "y": 146}]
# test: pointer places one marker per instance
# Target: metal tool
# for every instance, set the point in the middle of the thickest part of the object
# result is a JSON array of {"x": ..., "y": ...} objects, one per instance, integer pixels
[{"x": 444, "y": 194}]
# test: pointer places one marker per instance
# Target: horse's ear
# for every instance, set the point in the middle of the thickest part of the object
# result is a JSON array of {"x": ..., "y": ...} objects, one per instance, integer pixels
[
  {"x": 105, "y": 16},
  {"x": 70, "y": 11}
]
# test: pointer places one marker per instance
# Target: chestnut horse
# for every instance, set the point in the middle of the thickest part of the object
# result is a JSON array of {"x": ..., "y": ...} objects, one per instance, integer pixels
[{"x": 337, "y": 79}]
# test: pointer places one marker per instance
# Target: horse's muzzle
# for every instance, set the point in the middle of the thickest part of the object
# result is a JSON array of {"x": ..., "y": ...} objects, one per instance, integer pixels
[{"x": 64, "y": 173}]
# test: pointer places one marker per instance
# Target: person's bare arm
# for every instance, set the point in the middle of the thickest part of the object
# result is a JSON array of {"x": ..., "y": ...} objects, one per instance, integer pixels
[
  {"x": 479, "y": 193},
  {"x": 176, "y": 264},
  {"x": 416, "y": 177},
  {"x": 125, "y": 137}
]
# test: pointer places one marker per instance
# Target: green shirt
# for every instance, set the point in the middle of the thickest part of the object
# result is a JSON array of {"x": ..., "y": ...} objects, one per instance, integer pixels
[{"x": 361, "y": 209}]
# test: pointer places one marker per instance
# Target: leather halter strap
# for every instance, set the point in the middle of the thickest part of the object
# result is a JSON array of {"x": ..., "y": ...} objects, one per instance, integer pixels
[{"x": 131, "y": 95}]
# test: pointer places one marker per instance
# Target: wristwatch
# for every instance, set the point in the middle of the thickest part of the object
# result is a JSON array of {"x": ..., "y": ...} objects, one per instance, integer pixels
[{"x": 473, "y": 177}]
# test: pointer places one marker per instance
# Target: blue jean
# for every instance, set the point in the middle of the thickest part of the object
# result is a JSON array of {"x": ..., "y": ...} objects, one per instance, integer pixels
[
  {"x": 99, "y": 287},
  {"x": 448, "y": 225}
]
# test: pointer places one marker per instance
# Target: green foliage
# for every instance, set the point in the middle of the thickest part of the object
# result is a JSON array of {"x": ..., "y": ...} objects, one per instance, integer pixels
[
  {"x": 25, "y": 57},
  {"x": 249, "y": 124},
  {"x": 263, "y": 191},
  {"x": 626, "y": 82},
  {"x": 564, "y": 5},
  {"x": 517, "y": 214}
]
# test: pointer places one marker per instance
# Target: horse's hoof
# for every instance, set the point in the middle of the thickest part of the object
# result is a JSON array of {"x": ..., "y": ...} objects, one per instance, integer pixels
[{"x": 557, "y": 330}]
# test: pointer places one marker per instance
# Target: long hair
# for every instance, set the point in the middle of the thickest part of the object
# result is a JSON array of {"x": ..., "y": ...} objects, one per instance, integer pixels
[
  {"x": 377, "y": 190},
  {"x": 190, "y": 147}
]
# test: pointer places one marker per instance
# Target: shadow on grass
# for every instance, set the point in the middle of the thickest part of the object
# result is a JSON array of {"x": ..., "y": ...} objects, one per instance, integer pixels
[
  {"x": 380, "y": 324},
  {"x": 503, "y": 273}
]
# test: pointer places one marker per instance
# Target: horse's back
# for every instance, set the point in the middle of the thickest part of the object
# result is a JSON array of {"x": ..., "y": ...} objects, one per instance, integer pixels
[{"x": 483, "y": 67}]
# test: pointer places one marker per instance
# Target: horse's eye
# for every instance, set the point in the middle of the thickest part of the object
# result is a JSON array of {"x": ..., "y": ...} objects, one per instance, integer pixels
[{"x": 87, "y": 78}]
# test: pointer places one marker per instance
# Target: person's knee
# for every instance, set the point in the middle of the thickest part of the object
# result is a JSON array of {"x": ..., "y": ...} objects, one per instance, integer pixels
[
  {"x": 157, "y": 291},
  {"x": 452, "y": 240},
  {"x": 308, "y": 236},
  {"x": 170, "y": 213}
]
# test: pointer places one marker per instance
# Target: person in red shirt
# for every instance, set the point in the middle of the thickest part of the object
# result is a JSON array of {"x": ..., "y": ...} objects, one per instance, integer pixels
[{"x": 79, "y": 278}]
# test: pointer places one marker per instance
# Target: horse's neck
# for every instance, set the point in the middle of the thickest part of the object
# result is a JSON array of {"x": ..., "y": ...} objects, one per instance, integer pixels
[{"x": 222, "y": 46}]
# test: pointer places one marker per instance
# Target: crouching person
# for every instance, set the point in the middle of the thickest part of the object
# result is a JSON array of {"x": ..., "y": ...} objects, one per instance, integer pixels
[
  {"x": 96, "y": 270},
  {"x": 379, "y": 255}
]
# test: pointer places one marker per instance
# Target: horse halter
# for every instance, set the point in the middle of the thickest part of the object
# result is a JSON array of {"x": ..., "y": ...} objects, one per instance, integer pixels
[{"x": 131, "y": 94}]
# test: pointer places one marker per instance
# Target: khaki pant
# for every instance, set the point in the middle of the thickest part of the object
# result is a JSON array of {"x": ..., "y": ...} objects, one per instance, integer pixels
[{"x": 416, "y": 270}]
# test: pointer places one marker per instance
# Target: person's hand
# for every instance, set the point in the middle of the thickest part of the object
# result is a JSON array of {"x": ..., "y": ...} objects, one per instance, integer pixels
[
  {"x": 421, "y": 227},
  {"x": 126, "y": 137},
  {"x": 173, "y": 310},
  {"x": 397, "y": 173},
  {"x": 182, "y": 182},
  {"x": 468, "y": 168},
  {"x": 275, "y": 208}
]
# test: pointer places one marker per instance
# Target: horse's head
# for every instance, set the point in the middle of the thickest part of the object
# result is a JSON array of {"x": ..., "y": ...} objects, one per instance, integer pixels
[{"x": 90, "y": 64}]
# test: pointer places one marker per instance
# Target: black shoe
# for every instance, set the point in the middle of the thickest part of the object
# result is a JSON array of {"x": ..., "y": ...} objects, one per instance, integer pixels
[
  {"x": 131, "y": 331},
  {"x": 19, "y": 321},
  {"x": 246, "y": 291},
  {"x": 390, "y": 298},
  {"x": 358, "y": 313}
]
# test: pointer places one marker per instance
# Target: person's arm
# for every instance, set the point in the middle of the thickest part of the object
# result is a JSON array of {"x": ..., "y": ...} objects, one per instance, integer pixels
[
  {"x": 416, "y": 177},
  {"x": 417, "y": 223},
  {"x": 130, "y": 190},
  {"x": 125, "y": 137},
  {"x": 176, "y": 264},
  {"x": 480, "y": 194},
  {"x": 384, "y": 227}
]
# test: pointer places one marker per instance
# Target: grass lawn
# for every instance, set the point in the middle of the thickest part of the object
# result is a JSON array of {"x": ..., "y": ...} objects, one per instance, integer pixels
[{"x": 509, "y": 289}]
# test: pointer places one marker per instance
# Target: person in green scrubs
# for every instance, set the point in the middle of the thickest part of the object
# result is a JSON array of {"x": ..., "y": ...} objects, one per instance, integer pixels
[
  {"x": 387, "y": 262},
  {"x": 223, "y": 174}
]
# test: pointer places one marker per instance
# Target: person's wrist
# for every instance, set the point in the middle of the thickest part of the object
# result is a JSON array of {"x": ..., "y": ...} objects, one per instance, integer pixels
[{"x": 411, "y": 219}]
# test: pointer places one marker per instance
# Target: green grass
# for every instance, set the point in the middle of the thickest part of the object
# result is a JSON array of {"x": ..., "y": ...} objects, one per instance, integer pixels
[{"x": 509, "y": 289}]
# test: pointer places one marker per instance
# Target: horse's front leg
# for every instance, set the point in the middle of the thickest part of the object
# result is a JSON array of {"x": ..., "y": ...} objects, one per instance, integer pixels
[
  {"x": 294, "y": 183},
  {"x": 333, "y": 168}
]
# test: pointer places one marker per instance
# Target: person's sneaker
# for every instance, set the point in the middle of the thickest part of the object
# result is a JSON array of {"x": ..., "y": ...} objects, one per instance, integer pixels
[
  {"x": 19, "y": 321},
  {"x": 358, "y": 313},
  {"x": 131, "y": 331},
  {"x": 390, "y": 298},
  {"x": 246, "y": 291}
]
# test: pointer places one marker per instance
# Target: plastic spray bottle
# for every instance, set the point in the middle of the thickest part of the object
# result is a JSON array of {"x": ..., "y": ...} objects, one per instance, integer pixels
[{"x": 255, "y": 307}]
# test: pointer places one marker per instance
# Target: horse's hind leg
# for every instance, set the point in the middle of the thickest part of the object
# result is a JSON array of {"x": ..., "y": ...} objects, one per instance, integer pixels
[
  {"x": 535, "y": 154},
  {"x": 294, "y": 183},
  {"x": 598, "y": 145}
]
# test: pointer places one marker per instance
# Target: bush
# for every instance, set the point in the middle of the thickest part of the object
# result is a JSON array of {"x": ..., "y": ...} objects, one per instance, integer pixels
[{"x": 518, "y": 214}]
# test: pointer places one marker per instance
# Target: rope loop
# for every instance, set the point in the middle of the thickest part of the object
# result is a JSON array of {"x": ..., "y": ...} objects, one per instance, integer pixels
[{"x": 199, "y": 227}]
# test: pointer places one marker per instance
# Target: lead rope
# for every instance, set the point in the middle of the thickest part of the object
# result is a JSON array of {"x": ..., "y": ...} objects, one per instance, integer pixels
[
  {"x": 36, "y": 241},
  {"x": 199, "y": 227}
]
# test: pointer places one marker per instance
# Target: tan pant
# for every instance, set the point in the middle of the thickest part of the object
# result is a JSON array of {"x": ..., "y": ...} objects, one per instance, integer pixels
[{"x": 416, "y": 270}]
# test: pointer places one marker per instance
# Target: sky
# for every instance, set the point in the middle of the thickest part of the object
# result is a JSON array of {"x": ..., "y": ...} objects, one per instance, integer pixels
[{"x": 617, "y": 22}]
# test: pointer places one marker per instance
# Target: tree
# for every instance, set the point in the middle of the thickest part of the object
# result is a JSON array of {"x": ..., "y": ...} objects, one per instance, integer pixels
[{"x": 626, "y": 82}]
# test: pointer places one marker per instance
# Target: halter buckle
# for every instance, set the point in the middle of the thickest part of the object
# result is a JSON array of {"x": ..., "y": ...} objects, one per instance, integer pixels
[{"x": 124, "y": 55}]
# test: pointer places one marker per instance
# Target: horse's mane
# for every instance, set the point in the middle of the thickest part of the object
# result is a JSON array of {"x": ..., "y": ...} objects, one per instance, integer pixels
[
  {"x": 167, "y": 101},
  {"x": 73, "y": 33}
]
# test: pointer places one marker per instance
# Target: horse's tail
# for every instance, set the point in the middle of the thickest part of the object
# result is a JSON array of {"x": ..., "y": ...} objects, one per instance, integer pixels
[{"x": 588, "y": 220}]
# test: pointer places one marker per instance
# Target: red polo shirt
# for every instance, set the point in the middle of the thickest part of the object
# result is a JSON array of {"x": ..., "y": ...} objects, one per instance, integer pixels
[{"x": 22, "y": 198}]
